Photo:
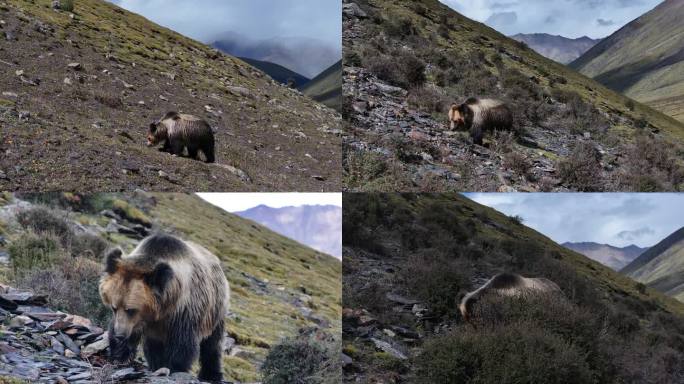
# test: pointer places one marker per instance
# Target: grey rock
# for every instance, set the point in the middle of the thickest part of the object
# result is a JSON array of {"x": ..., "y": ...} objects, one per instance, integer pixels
[
  {"x": 126, "y": 374},
  {"x": 388, "y": 348},
  {"x": 352, "y": 10}
]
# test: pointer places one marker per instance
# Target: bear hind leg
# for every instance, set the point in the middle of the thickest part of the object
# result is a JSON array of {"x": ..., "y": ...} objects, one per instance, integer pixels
[
  {"x": 211, "y": 350},
  {"x": 209, "y": 153},
  {"x": 192, "y": 152}
]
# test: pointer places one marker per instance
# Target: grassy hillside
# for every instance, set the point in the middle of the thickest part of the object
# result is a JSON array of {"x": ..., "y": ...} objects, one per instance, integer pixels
[
  {"x": 409, "y": 256},
  {"x": 406, "y": 62},
  {"x": 279, "y": 286},
  {"x": 327, "y": 87},
  {"x": 644, "y": 59},
  {"x": 82, "y": 127},
  {"x": 277, "y": 72},
  {"x": 662, "y": 266}
]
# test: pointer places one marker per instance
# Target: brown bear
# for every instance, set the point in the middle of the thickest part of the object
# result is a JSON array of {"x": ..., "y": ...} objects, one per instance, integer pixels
[
  {"x": 179, "y": 131},
  {"x": 172, "y": 295},
  {"x": 480, "y": 115},
  {"x": 506, "y": 284}
]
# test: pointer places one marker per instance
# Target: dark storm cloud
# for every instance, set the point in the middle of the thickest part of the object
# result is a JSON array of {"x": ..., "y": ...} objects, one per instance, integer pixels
[
  {"x": 605, "y": 23},
  {"x": 619, "y": 219},
  {"x": 256, "y": 19},
  {"x": 570, "y": 18}
]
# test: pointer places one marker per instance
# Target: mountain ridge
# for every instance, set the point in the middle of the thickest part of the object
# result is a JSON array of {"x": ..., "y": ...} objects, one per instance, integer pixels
[
  {"x": 644, "y": 59},
  {"x": 556, "y": 47},
  {"x": 609, "y": 255},
  {"x": 316, "y": 226}
]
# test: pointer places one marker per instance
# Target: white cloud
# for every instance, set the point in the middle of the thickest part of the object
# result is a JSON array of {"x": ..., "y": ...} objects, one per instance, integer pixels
[
  {"x": 570, "y": 18},
  {"x": 236, "y": 202},
  {"x": 619, "y": 219},
  {"x": 256, "y": 19}
]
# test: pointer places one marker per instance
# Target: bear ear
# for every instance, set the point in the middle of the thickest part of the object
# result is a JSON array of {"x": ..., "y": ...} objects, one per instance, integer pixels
[
  {"x": 112, "y": 260},
  {"x": 160, "y": 277},
  {"x": 173, "y": 115}
]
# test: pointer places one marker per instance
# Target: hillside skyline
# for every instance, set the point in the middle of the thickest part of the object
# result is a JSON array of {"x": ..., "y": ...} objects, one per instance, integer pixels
[
  {"x": 571, "y": 19},
  {"x": 618, "y": 220}
]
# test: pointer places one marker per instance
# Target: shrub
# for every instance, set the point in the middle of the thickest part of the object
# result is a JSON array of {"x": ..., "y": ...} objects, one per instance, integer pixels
[
  {"x": 513, "y": 354},
  {"x": 399, "y": 68},
  {"x": 652, "y": 165},
  {"x": 304, "y": 361},
  {"x": 435, "y": 280},
  {"x": 44, "y": 221},
  {"x": 89, "y": 245},
  {"x": 516, "y": 219},
  {"x": 67, "y": 5},
  {"x": 71, "y": 285},
  {"x": 428, "y": 99},
  {"x": 582, "y": 169},
  {"x": 399, "y": 27},
  {"x": 34, "y": 251},
  {"x": 517, "y": 162}
]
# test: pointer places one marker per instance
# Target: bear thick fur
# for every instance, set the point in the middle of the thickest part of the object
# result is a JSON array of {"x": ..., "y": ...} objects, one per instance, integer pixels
[
  {"x": 480, "y": 115},
  {"x": 507, "y": 284},
  {"x": 173, "y": 296},
  {"x": 179, "y": 131}
]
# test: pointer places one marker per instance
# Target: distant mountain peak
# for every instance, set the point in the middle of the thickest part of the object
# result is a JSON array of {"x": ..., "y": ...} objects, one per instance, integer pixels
[
  {"x": 556, "y": 47},
  {"x": 609, "y": 255},
  {"x": 317, "y": 225}
]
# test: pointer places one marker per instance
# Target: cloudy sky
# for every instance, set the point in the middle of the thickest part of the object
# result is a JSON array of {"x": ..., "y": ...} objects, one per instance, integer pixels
[
  {"x": 569, "y": 18},
  {"x": 203, "y": 20},
  {"x": 618, "y": 219},
  {"x": 236, "y": 202}
]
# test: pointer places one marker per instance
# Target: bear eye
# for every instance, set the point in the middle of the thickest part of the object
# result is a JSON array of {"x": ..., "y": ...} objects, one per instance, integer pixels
[
  {"x": 113, "y": 308},
  {"x": 131, "y": 312}
]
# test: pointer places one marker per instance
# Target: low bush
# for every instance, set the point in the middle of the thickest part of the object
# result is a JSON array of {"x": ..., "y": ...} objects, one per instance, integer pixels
[
  {"x": 513, "y": 354},
  {"x": 651, "y": 164},
  {"x": 582, "y": 168},
  {"x": 303, "y": 361},
  {"x": 43, "y": 220},
  {"x": 32, "y": 251}
]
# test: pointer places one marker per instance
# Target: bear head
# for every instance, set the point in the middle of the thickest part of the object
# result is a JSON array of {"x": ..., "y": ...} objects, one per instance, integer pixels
[
  {"x": 137, "y": 295},
  {"x": 158, "y": 130},
  {"x": 457, "y": 116}
]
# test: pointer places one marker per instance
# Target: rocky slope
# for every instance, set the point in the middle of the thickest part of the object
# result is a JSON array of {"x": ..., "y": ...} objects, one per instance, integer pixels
[
  {"x": 408, "y": 257},
  {"x": 406, "y": 62},
  {"x": 79, "y": 89},
  {"x": 557, "y": 48},
  {"x": 317, "y": 226},
  {"x": 662, "y": 266},
  {"x": 40, "y": 345},
  {"x": 279, "y": 288},
  {"x": 606, "y": 254},
  {"x": 644, "y": 59}
]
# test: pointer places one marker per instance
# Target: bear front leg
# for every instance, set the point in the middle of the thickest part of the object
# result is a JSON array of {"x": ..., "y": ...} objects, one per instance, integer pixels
[
  {"x": 211, "y": 350},
  {"x": 177, "y": 147},
  {"x": 166, "y": 147},
  {"x": 155, "y": 351}
]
